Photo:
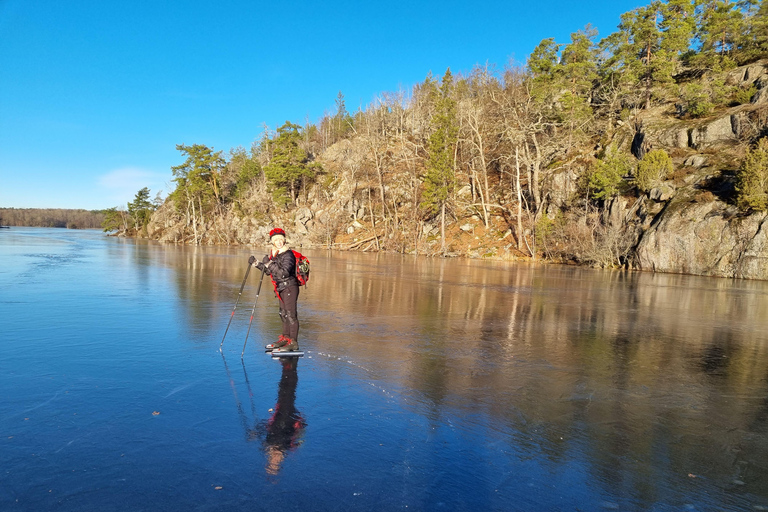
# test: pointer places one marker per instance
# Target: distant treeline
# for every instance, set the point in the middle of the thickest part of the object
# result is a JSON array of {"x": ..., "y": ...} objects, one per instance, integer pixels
[{"x": 51, "y": 218}]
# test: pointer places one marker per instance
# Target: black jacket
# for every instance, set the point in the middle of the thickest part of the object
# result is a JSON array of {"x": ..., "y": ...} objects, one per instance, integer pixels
[{"x": 282, "y": 270}]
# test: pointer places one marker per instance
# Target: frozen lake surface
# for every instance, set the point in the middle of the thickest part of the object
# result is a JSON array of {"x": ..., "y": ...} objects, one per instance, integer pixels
[{"x": 426, "y": 384}]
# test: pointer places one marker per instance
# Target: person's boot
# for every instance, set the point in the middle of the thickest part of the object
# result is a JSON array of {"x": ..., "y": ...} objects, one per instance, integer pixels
[
  {"x": 290, "y": 345},
  {"x": 281, "y": 341}
]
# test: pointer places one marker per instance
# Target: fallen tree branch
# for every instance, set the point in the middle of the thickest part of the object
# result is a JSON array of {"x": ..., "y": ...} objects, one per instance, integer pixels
[{"x": 357, "y": 244}]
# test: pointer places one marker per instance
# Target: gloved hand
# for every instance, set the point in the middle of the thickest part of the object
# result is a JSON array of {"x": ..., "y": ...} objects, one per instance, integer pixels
[{"x": 251, "y": 260}]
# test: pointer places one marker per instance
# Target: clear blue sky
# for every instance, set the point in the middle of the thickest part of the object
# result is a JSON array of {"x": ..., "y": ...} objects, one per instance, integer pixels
[{"x": 95, "y": 94}]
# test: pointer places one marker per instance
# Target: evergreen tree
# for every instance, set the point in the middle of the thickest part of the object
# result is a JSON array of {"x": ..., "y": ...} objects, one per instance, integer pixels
[
  {"x": 342, "y": 121},
  {"x": 752, "y": 179},
  {"x": 115, "y": 220},
  {"x": 654, "y": 168},
  {"x": 648, "y": 46},
  {"x": 197, "y": 185},
  {"x": 289, "y": 165},
  {"x": 759, "y": 27},
  {"x": 678, "y": 26},
  {"x": 439, "y": 179},
  {"x": 605, "y": 178},
  {"x": 720, "y": 27},
  {"x": 544, "y": 70},
  {"x": 634, "y": 47},
  {"x": 578, "y": 68},
  {"x": 753, "y": 40},
  {"x": 141, "y": 209},
  {"x": 542, "y": 62},
  {"x": 199, "y": 176},
  {"x": 579, "y": 61},
  {"x": 244, "y": 170}
]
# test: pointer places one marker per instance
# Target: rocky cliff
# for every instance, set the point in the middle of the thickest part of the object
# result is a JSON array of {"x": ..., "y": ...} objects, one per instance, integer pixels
[{"x": 689, "y": 223}]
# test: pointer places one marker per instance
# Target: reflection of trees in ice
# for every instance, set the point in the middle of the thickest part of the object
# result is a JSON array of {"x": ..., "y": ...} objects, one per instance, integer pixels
[{"x": 624, "y": 360}]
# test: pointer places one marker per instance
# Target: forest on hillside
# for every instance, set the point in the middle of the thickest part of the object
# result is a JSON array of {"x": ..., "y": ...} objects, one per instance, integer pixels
[
  {"x": 524, "y": 160},
  {"x": 52, "y": 218}
]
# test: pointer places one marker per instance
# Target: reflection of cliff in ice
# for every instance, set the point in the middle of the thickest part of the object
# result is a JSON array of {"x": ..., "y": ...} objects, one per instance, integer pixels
[
  {"x": 627, "y": 366},
  {"x": 640, "y": 362}
]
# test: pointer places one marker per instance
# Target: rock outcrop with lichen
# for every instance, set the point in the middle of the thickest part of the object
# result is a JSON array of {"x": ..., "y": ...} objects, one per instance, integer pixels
[{"x": 697, "y": 229}]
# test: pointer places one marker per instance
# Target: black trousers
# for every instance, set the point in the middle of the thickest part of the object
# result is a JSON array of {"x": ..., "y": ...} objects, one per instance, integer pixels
[{"x": 288, "y": 313}]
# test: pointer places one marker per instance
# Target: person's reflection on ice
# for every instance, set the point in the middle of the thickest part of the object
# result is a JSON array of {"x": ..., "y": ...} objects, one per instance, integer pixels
[{"x": 282, "y": 431}]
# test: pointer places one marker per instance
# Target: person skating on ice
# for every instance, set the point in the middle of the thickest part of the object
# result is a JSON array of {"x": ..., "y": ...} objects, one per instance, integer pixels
[{"x": 280, "y": 264}]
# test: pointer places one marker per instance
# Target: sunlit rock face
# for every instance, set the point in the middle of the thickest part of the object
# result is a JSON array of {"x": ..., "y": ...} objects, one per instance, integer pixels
[{"x": 706, "y": 239}]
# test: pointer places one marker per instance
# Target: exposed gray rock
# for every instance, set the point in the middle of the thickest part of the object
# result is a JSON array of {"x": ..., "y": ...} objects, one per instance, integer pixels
[
  {"x": 753, "y": 263},
  {"x": 562, "y": 185},
  {"x": 615, "y": 211},
  {"x": 323, "y": 217},
  {"x": 673, "y": 137},
  {"x": 696, "y": 161},
  {"x": 753, "y": 72},
  {"x": 303, "y": 214},
  {"x": 301, "y": 229},
  {"x": 706, "y": 239},
  {"x": 749, "y": 121},
  {"x": 747, "y": 74},
  {"x": 761, "y": 96},
  {"x": 712, "y": 132},
  {"x": 663, "y": 192},
  {"x": 652, "y": 135},
  {"x": 740, "y": 124},
  {"x": 671, "y": 229}
]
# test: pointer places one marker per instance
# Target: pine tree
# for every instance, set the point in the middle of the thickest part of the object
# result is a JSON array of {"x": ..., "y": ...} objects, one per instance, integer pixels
[
  {"x": 654, "y": 168},
  {"x": 605, "y": 178},
  {"x": 648, "y": 46},
  {"x": 544, "y": 69},
  {"x": 578, "y": 61},
  {"x": 115, "y": 220},
  {"x": 342, "y": 121},
  {"x": 243, "y": 171},
  {"x": 200, "y": 173},
  {"x": 752, "y": 179},
  {"x": 678, "y": 27},
  {"x": 578, "y": 68},
  {"x": 759, "y": 26},
  {"x": 720, "y": 27},
  {"x": 141, "y": 209},
  {"x": 197, "y": 185},
  {"x": 439, "y": 180},
  {"x": 753, "y": 40},
  {"x": 289, "y": 164}
]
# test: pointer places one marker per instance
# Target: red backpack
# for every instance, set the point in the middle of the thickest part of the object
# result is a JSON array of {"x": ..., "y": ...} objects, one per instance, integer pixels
[{"x": 302, "y": 268}]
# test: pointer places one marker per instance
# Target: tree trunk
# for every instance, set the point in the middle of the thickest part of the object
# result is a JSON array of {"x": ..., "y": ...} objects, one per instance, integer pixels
[
  {"x": 484, "y": 197},
  {"x": 519, "y": 234},
  {"x": 442, "y": 229},
  {"x": 373, "y": 217},
  {"x": 194, "y": 220},
  {"x": 534, "y": 168},
  {"x": 536, "y": 173}
]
